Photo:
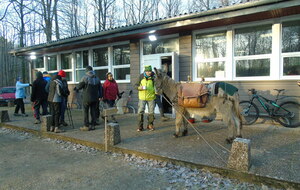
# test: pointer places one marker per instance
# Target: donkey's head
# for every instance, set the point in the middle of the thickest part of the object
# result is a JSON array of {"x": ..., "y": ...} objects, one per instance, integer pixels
[{"x": 158, "y": 81}]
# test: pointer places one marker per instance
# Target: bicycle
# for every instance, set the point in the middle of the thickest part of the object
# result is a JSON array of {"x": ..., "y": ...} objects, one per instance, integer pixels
[{"x": 286, "y": 112}]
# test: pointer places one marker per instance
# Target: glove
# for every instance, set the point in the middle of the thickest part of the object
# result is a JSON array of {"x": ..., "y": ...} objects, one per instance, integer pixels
[{"x": 30, "y": 84}]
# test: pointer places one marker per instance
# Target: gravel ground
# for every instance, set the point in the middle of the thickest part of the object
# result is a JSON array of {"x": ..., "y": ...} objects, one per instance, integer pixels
[{"x": 29, "y": 162}]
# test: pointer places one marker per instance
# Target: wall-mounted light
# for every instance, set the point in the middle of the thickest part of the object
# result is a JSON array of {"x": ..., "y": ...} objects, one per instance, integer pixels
[
  {"x": 152, "y": 38},
  {"x": 152, "y": 31},
  {"x": 32, "y": 55}
]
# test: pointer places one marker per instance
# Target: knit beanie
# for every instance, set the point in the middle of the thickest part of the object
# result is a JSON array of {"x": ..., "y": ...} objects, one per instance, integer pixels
[
  {"x": 39, "y": 74},
  {"x": 62, "y": 73},
  {"x": 88, "y": 68},
  {"x": 148, "y": 68}
]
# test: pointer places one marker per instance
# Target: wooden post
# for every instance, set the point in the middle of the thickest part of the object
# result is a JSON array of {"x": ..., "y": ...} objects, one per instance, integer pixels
[{"x": 4, "y": 116}]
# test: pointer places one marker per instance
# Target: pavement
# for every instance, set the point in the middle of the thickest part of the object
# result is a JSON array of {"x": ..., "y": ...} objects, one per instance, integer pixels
[{"x": 275, "y": 150}]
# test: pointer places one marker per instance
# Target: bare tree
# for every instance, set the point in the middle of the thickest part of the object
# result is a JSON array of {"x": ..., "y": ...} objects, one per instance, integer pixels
[
  {"x": 103, "y": 8},
  {"x": 171, "y": 7}
]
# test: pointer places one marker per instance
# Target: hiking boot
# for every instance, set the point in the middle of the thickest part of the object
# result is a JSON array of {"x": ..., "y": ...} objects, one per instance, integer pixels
[
  {"x": 51, "y": 129},
  {"x": 84, "y": 128},
  {"x": 63, "y": 123},
  {"x": 16, "y": 114},
  {"x": 150, "y": 127},
  {"x": 164, "y": 118},
  {"x": 57, "y": 130},
  {"x": 37, "y": 121},
  {"x": 140, "y": 129},
  {"x": 24, "y": 115}
]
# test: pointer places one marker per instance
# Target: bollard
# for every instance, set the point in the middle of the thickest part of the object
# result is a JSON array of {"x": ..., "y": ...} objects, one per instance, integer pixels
[
  {"x": 46, "y": 119},
  {"x": 4, "y": 116},
  {"x": 113, "y": 134},
  {"x": 239, "y": 158},
  {"x": 10, "y": 104}
]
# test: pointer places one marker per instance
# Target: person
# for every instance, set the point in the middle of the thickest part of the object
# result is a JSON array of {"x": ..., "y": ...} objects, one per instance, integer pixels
[
  {"x": 39, "y": 97},
  {"x": 46, "y": 76},
  {"x": 161, "y": 109},
  {"x": 92, "y": 93},
  {"x": 64, "y": 98},
  {"x": 20, "y": 95},
  {"x": 54, "y": 99},
  {"x": 146, "y": 91},
  {"x": 110, "y": 92}
]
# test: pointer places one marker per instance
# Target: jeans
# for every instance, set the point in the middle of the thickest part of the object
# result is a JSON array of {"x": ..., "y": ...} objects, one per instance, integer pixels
[
  {"x": 63, "y": 107},
  {"x": 55, "y": 112}
]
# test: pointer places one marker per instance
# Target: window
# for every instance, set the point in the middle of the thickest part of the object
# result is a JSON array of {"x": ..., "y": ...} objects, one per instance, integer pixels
[
  {"x": 291, "y": 48},
  {"x": 160, "y": 46},
  {"x": 39, "y": 63},
  {"x": 252, "y": 51},
  {"x": 81, "y": 61},
  {"x": 51, "y": 63},
  {"x": 210, "y": 54},
  {"x": 66, "y": 65},
  {"x": 100, "y": 62},
  {"x": 121, "y": 62}
]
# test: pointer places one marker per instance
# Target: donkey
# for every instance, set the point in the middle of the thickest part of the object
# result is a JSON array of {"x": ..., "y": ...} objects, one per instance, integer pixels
[{"x": 222, "y": 102}]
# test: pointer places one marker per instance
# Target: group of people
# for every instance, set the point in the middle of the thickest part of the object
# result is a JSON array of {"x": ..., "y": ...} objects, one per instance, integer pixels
[
  {"x": 46, "y": 92},
  {"x": 53, "y": 92}
]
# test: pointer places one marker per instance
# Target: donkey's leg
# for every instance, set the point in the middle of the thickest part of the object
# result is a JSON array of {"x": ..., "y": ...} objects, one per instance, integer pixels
[
  {"x": 185, "y": 123},
  {"x": 238, "y": 126},
  {"x": 178, "y": 121},
  {"x": 225, "y": 107}
]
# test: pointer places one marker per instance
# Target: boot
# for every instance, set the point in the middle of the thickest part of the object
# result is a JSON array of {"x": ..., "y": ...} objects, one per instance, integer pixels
[
  {"x": 57, "y": 130},
  {"x": 150, "y": 122},
  {"x": 84, "y": 128},
  {"x": 140, "y": 122},
  {"x": 162, "y": 115},
  {"x": 63, "y": 123}
]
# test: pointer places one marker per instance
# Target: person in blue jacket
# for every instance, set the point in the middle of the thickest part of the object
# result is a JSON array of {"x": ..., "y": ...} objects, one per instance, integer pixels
[{"x": 20, "y": 95}]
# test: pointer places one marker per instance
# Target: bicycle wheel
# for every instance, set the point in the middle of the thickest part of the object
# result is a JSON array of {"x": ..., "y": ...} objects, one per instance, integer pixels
[
  {"x": 249, "y": 112},
  {"x": 288, "y": 114}
]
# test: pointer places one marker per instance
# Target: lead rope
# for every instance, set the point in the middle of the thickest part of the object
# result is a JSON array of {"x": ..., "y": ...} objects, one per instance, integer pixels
[{"x": 199, "y": 133}]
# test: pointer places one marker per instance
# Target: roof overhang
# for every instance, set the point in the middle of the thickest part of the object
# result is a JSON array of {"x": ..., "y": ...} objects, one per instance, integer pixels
[{"x": 184, "y": 24}]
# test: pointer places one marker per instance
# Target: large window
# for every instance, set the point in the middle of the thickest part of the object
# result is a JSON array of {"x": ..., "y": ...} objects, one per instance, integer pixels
[
  {"x": 81, "y": 61},
  {"x": 39, "y": 63},
  {"x": 51, "y": 63},
  {"x": 100, "y": 62},
  {"x": 66, "y": 65},
  {"x": 210, "y": 54},
  {"x": 291, "y": 48},
  {"x": 160, "y": 46},
  {"x": 121, "y": 62},
  {"x": 252, "y": 51}
]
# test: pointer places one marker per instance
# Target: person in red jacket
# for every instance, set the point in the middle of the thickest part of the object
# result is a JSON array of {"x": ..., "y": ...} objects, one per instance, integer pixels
[{"x": 111, "y": 91}]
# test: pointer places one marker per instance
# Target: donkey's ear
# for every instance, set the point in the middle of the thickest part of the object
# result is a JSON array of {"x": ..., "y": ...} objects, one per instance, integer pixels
[{"x": 155, "y": 70}]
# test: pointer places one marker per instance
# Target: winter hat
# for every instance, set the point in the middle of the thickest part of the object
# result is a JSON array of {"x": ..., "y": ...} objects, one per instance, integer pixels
[
  {"x": 88, "y": 68},
  {"x": 39, "y": 74},
  {"x": 148, "y": 68},
  {"x": 62, "y": 73},
  {"x": 18, "y": 78}
]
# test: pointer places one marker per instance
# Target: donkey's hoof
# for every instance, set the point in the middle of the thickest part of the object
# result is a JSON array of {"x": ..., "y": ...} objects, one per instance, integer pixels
[
  {"x": 184, "y": 133},
  {"x": 175, "y": 135},
  {"x": 229, "y": 140}
]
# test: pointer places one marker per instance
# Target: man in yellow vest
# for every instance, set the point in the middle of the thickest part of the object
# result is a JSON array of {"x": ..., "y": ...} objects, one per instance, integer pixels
[{"x": 145, "y": 86}]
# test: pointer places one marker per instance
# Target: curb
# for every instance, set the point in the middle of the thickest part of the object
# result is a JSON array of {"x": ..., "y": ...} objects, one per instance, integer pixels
[{"x": 225, "y": 172}]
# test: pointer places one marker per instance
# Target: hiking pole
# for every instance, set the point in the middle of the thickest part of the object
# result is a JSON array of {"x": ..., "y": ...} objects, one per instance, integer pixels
[{"x": 69, "y": 113}]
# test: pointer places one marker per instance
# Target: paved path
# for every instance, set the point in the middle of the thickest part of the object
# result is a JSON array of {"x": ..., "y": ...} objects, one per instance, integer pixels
[{"x": 275, "y": 150}]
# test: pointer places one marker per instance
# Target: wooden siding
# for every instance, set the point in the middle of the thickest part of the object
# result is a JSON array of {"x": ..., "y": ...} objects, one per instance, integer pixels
[{"x": 185, "y": 57}]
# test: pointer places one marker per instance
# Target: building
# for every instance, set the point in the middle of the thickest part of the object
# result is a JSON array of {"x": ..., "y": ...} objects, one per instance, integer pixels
[{"x": 251, "y": 45}]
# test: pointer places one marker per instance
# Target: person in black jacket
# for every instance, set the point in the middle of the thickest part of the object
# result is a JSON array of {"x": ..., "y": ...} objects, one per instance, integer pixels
[
  {"x": 39, "y": 97},
  {"x": 92, "y": 93}
]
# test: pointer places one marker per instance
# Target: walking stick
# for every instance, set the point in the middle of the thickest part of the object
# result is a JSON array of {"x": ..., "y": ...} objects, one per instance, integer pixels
[{"x": 69, "y": 113}]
